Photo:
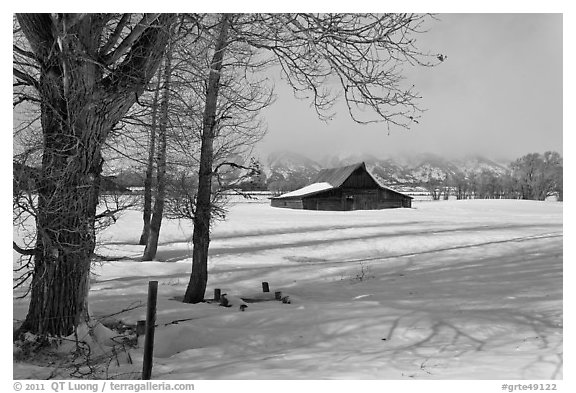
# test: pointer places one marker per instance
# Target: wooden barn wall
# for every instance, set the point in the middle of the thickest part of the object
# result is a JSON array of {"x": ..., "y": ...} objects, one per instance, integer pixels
[
  {"x": 359, "y": 192},
  {"x": 389, "y": 195},
  {"x": 329, "y": 200},
  {"x": 406, "y": 202},
  {"x": 287, "y": 203},
  {"x": 331, "y": 203},
  {"x": 356, "y": 199}
]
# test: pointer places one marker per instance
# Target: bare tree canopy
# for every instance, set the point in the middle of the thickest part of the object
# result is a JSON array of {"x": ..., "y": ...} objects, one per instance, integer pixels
[
  {"x": 357, "y": 56},
  {"x": 84, "y": 72}
]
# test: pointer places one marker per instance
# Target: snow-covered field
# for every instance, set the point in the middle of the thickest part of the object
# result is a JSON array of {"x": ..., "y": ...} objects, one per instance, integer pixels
[{"x": 445, "y": 290}]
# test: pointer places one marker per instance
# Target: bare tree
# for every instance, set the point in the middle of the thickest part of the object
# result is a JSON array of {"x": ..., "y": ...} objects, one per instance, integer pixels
[
  {"x": 158, "y": 210},
  {"x": 237, "y": 125},
  {"x": 202, "y": 215},
  {"x": 360, "y": 55},
  {"x": 434, "y": 185},
  {"x": 87, "y": 71},
  {"x": 147, "y": 208},
  {"x": 489, "y": 185},
  {"x": 538, "y": 176}
]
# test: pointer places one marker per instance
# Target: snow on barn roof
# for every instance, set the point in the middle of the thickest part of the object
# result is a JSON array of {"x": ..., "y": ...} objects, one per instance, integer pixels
[{"x": 308, "y": 190}]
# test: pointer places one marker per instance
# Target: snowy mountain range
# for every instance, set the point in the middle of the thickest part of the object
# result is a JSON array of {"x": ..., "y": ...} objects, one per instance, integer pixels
[{"x": 401, "y": 170}]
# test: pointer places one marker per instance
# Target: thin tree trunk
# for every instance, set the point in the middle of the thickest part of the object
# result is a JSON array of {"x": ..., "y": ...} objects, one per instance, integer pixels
[
  {"x": 147, "y": 210},
  {"x": 158, "y": 211},
  {"x": 201, "y": 235}
]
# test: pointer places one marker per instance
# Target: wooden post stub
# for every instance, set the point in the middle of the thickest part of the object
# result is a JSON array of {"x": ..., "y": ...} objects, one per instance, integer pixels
[
  {"x": 217, "y": 293},
  {"x": 265, "y": 287},
  {"x": 150, "y": 325},
  {"x": 140, "y": 328},
  {"x": 278, "y": 295},
  {"x": 224, "y": 301}
]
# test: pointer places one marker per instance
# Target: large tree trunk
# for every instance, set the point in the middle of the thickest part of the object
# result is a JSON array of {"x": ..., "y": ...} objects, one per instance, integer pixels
[
  {"x": 147, "y": 210},
  {"x": 67, "y": 200},
  {"x": 67, "y": 195},
  {"x": 79, "y": 106},
  {"x": 201, "y": 235},
  {"x": 159, "y": 200}
]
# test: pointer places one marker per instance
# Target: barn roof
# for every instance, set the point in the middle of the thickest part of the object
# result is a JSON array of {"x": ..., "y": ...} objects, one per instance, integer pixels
[
  {"x": 337, "y": 176},
  {"x": 311, "y": 189},
  {"x": 331, "y": 178}
]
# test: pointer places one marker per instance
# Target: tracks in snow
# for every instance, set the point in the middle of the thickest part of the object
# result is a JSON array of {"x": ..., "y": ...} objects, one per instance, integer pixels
[
  {"x": 328, "y": 236},
  {"x": 429, "y": 237}
]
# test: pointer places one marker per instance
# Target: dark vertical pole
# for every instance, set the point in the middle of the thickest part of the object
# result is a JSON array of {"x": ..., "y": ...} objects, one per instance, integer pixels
[
  {"x": 265, "y": 287},
  {"x": 150, "y": 322},
  {"x": 217, "y": 294}
]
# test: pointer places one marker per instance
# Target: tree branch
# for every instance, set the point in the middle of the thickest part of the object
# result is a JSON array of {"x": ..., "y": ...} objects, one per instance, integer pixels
[
  {"x": 230, "y": 164},
  {"x": 23, "y": 52},
  {"x": 25, "y": 78},
  {"x": 19, "y": 250},
  {"x": 24, "y": 98},
  {"x": 115, "y": 35},
  {"x": 37, "y": 28},
  {"x": 140, "y": 62},
  {"x": 127, "y": 43}
]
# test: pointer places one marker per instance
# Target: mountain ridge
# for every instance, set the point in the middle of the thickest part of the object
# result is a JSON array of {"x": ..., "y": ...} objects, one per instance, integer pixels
[{"x": 400, "y": 170}]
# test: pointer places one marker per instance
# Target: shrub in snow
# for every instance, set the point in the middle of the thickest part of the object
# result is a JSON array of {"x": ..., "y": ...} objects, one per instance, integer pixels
[{"x": 93, "y": 351}]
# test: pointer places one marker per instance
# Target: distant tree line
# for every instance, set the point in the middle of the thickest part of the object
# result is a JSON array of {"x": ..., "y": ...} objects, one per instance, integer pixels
[
  {"x": 534, "y": 176},
  {"x": 258, "y": 181}
]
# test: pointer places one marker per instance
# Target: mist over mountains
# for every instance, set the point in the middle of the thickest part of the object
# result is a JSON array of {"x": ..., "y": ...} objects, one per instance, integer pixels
[
  {"x": 283, "y": 171},
  {"x": 399, "y": 170}
]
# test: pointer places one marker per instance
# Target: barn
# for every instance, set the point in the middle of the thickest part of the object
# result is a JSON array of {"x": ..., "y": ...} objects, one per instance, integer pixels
[{"x": 348, "y": 188}]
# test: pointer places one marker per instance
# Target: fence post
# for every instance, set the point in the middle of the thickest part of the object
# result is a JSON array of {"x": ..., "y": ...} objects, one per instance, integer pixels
[
  {"x": 150, "y": 324},
  {"x": 265, "y": 287},
  {"x": 217, "y": 293},
  {"x": 140, "y": 328}
]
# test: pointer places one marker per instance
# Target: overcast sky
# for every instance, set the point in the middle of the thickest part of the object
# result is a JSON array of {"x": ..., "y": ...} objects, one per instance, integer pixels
[{"x": 498, "y": 94}]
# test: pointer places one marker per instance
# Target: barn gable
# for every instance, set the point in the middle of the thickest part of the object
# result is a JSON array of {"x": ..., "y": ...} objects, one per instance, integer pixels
[
  {"x": 337, "y": 176},
  {"x": 347, "y": 188}
]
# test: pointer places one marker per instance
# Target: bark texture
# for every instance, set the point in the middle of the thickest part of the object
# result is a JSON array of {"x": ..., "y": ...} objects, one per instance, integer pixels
[{"x": 147, "y": 210}]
